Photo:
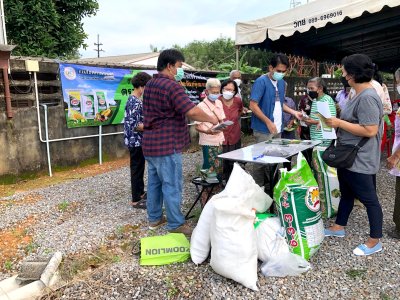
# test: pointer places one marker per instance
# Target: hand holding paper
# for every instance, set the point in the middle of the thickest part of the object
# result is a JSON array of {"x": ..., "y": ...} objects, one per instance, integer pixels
[{"x": 323, "y": 114}]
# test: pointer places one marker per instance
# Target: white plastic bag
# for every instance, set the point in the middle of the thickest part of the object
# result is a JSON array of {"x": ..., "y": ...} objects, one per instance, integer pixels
[
  {"x": 271, "y": 240},
  {"x": 241, "y": 184},
  {"x": 286, "y": 264},
  {"x": 233, "y": 242}
]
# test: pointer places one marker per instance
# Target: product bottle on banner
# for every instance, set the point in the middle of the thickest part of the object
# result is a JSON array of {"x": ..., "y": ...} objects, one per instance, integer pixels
[
  {"x": 74, "y": 98},
  {"x": 101, "y": 101},
  {"x": 88, "y": 105}
]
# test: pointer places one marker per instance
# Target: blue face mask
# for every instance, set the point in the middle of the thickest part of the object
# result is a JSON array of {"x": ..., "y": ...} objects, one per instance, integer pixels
[
  {"x": 213, "y": 97},
  {"x": 278, "y": 75},
  {"x": 179, "y": 74}
]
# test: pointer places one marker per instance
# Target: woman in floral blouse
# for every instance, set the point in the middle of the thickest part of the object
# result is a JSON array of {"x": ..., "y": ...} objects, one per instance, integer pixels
[{"x": 133, "y": 134}]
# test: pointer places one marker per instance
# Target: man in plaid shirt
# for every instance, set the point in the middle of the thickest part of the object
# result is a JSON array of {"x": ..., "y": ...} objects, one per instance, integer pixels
[{"x": 166, "y": 134}]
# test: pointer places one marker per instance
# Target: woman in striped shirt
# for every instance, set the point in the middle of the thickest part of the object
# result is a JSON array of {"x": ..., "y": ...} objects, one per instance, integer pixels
[{"x": 317, "y": 92}]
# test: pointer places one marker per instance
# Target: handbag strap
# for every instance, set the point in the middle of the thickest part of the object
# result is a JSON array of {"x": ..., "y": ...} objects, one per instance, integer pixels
[{"x": 364, "y": 140}]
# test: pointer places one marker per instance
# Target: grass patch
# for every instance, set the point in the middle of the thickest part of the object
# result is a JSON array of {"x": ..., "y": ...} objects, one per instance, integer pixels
[
  {"x": 8, "y": 265},
  {"x": 356, "y": 273},
  {"x": 63, "y": 206},
  {"x": 71, "y": 266},
  {"x": 384, "y": 296},
  {"x": 8, "y": 179}
]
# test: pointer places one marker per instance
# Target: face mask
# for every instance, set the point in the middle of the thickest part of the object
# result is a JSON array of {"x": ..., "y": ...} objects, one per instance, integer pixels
[
  {"x": 227, "y": 95},
  {"x": 312, "y": 94},
  {"x": 238, "y": 81},
  {"x": 179, "y": 74},
  {"x": 213, "y": 97},
  {"x": 344, "y": 81},
  {"x": 398, "y": 89},
  {"x": 278, "y": 75}
]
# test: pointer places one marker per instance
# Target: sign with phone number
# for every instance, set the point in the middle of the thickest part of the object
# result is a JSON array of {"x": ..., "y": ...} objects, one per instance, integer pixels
[{"x": 312, "y": 20}]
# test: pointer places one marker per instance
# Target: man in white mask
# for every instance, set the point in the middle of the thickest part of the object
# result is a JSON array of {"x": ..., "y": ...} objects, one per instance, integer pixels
[
  {"x": 267, "y": 104},
  {"x": 236, "y": 76}
]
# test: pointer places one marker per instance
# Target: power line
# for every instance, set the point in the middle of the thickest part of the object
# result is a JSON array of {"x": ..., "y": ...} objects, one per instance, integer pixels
[{"x": 98, "y": 44}]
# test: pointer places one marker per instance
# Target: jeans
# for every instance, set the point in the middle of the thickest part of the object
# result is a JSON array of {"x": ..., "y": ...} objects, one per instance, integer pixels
[
  {"x": 137, "y": 171},
  {"x": 262, "y": 173},
  {"x": 361, "y": 186},
  {"x": 164, "y": 186}
]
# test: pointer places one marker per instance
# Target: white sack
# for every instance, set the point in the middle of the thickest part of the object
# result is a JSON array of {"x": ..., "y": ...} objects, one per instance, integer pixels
[
  {"x": 233, "y": 241},
  {"x": 242, "y": 184},
  {"x": 270, "y": 239}
]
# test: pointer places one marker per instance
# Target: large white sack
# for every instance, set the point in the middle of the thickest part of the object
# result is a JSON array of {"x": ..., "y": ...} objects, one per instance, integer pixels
[
  {"x": 242, "y": 184},
  {"x": 233, "y": 242},
  {"x": 270, "y": 239},
  {"x": 200, "y": 242}
]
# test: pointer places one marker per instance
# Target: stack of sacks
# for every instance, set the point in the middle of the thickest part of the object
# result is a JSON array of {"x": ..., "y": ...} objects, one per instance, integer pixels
[{"x": 227, "y": 226}]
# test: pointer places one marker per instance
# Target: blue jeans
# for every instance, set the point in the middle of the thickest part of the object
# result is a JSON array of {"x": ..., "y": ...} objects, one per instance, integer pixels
[
  {"x": 362, "y": 186},
  {"x": 164, "y": 185}
]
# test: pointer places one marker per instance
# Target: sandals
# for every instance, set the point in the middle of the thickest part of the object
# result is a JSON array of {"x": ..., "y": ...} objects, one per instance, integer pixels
[{"x": 141, "y": 204}]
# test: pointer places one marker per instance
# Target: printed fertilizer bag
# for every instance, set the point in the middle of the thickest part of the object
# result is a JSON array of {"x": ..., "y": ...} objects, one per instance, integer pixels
[
  {"x": 297, "y": 199},
  {"x": 328, "y": 183}
]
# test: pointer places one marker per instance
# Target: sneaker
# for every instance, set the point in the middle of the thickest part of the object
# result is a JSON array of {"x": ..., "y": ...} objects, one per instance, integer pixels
[
  {"x": 156, "y": 224},
  {"x": 363, "y": 250},
  {"x": 185, "y": 229},
  {"x": 335, "y": 233}
]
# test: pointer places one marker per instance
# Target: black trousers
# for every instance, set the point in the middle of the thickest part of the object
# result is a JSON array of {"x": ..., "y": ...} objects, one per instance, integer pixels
[
  {"x": 396, "y": 212},
  {"x": 361, "y": 186},
  {"x": 137, "y": 162},
  {"x": 227, "y": 164}
]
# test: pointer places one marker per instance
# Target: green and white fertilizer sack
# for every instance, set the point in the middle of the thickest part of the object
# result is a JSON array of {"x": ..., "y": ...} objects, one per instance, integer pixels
[
  {"x": 163, "y": 250},
  {"x": 328, "y": 183},
  {"x": 297, "y": 198}
]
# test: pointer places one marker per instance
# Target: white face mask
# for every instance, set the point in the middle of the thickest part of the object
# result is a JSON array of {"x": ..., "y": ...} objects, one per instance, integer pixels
[
  {"x": 398, "y": 89},
  {"x": 238, "y": 81},
  {"x": 227, "y": 95}
]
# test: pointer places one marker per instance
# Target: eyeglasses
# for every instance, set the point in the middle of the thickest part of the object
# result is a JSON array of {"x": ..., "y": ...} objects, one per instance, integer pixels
[{"x": 228, "y": 90}]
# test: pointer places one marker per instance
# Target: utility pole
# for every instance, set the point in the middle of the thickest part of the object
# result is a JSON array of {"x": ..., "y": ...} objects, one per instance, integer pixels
[
  {"x": 294, "y": 3},
  {"x": 98, "y": 44}
]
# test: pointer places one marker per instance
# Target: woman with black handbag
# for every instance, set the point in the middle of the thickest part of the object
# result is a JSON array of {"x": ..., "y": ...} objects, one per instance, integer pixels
[{"x": 361, "y": 118}]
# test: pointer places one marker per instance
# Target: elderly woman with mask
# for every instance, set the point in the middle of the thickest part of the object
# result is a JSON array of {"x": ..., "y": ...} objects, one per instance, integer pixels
[{"x": 211, "y": 140}]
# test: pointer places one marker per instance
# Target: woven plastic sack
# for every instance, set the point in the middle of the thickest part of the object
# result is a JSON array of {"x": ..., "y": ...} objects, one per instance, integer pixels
[
  {"x": 328, "y": 183},
  {"x": 270, "y": 234},
  {"x": 241, "y": 184},
  {"x": 233, "y": 242},
  {"x": 200, "y": 242},
  {"x": 164, "y": 250},
  {"x": 297, "y": 199}
]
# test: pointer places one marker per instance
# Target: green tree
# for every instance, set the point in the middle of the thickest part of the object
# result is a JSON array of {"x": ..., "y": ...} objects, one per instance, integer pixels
[
  {"x": 50, "y": 28},
  {"x": 220, "y": 55}
]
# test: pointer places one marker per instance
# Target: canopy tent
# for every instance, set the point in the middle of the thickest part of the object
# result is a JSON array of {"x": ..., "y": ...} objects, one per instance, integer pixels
[{"x": 327, "y": 30}]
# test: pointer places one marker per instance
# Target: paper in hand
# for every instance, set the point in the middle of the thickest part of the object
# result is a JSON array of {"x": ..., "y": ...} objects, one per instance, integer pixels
[{"x": 323, "y": 114}]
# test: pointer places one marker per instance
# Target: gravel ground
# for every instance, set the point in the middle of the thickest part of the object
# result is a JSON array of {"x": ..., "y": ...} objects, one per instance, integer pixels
[{"x": 98, "y": 206}]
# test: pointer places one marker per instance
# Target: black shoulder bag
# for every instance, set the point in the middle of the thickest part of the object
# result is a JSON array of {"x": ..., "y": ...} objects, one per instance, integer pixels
[{"x": 342, "y": 155}]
